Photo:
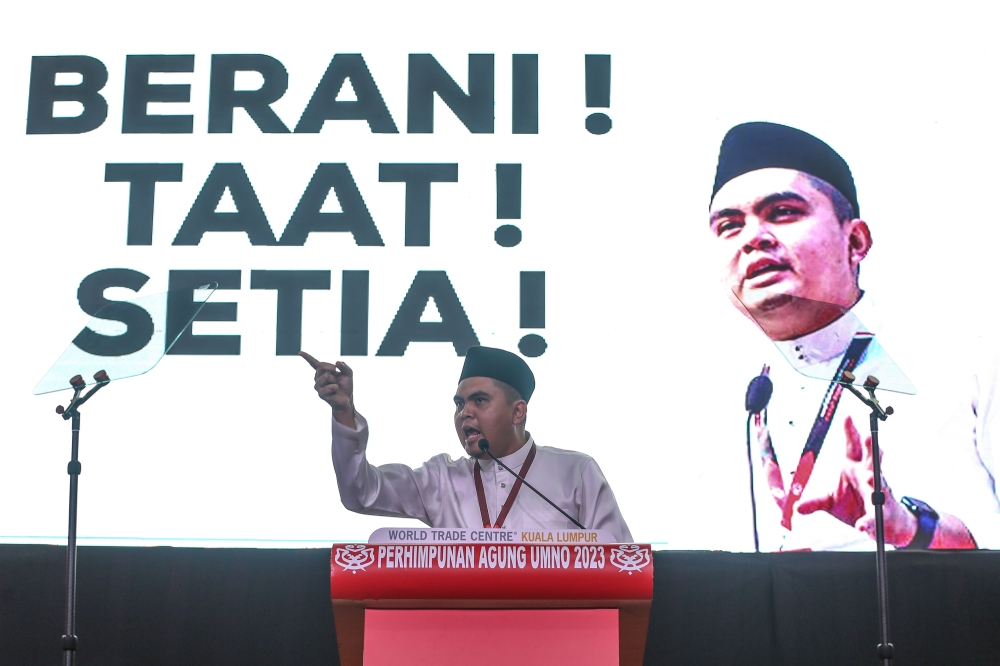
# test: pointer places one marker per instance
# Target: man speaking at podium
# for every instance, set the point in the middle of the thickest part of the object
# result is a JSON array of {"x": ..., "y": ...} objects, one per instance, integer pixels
[{"x": 491, "y": 403}]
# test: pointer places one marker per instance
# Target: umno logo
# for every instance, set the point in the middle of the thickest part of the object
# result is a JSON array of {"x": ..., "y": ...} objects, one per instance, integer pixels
[
  {"x": 354, "y": 557},
  {"x": 629, "y": 558}
]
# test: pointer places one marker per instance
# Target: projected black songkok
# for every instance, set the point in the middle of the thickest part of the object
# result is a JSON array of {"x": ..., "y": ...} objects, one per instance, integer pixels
[
  {"x": 500, "y": 365},
  {"x": 753, "y": 146}
]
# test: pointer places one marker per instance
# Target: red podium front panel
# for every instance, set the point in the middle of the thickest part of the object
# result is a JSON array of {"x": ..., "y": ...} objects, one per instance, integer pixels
[
  {"x": 565, "y": 571},
  {"x": 526, "y": 637}
]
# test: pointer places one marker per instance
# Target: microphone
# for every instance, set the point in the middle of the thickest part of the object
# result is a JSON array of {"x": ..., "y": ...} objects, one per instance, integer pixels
[
  {"x": 758, "y": 395},
  {"x": 759, "y": 392},
  {"x": 484, "y": 446}
]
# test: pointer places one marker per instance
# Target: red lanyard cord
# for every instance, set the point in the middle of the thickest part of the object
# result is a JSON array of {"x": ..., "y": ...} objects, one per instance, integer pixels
[{"x": 817, "y": 435}]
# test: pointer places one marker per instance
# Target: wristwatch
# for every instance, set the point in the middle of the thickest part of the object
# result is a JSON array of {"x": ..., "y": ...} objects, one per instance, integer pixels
[{"x": 927, "y": 521}]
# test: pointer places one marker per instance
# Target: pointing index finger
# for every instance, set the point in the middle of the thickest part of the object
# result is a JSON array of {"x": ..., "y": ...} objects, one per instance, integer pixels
[{"x": 310, "y": 360}]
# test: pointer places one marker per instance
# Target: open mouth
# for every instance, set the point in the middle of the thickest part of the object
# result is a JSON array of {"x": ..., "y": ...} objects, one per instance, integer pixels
[
  {"x": 472, "y": 435},
  {"x": 764, "y": 268}
]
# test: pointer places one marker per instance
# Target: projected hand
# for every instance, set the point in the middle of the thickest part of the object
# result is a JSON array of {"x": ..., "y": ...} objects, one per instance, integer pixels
[
  {"x": 851, "y": 502},
  {"x": 335, "y": 385}
]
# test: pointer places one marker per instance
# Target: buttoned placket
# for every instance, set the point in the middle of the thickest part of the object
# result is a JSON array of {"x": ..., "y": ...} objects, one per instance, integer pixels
[
  {"x": 502, "y": 483},
  {"x": 790, "y": 430},
  {"x": 816, "y": 354}
]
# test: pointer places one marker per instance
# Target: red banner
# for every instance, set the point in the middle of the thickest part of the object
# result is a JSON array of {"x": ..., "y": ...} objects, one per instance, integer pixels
[{"x": 481, "y": 571}]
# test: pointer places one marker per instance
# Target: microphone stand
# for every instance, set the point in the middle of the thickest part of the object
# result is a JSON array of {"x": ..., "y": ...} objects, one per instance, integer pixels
[
  {"x": 758, "y": 395},
  {"x": 484, "y": 446},
  {"x": 72, "y": 413},
  {"x": 753, "y": 497},
  {"x": 884, "y": 649}
]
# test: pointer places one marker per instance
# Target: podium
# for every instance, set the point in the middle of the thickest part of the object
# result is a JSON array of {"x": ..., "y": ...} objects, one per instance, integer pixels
[{"x": 485, "y": 596}]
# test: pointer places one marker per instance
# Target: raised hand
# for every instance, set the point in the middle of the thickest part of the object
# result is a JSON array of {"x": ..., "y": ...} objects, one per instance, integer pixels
[
  {"x": 851, "y": 501},
  {"x": 335, "y": 386}
]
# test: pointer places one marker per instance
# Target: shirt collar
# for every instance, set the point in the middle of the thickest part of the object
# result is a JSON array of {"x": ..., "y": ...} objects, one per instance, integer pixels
[
  {"x": 831, "y": 341},
  {"x": 513, "y": 460}
]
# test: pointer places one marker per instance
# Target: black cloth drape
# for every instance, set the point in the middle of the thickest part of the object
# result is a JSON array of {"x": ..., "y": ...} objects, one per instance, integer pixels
[{"x": 229, "y": 607}]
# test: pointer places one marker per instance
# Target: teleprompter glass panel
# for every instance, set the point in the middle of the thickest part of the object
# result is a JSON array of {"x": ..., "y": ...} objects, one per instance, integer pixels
[{"x": 125, "y": 338}]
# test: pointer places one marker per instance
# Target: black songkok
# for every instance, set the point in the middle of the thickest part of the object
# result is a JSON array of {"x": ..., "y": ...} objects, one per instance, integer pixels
[
  {"x": 753, "y": 146},
  {"x": 500, "y": 365}
]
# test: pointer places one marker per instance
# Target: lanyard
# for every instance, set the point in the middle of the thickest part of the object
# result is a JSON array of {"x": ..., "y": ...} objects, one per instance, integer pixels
[
  {"x": 814, "y": 443},
  {"x": 510, "y": 498}
]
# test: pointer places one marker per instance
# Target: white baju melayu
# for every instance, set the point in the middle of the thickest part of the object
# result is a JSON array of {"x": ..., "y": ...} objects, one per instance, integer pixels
[
  {"x": 442, "y": 491},
  {"x": 920, "y": 461}
]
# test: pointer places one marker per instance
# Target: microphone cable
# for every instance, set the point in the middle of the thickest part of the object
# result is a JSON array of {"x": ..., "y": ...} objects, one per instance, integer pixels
[{"x": 485, "y": 447}]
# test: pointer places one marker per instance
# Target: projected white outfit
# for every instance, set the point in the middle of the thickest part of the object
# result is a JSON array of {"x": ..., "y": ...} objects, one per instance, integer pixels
[
  {"x": 790, "y": 416},
  {"x": 442, "y": 491},
  {"x": 920, "y": 460}
]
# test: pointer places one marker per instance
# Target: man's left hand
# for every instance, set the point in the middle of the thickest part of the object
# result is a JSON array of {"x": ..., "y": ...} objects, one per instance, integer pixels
[{"x": 851, "y": 501}]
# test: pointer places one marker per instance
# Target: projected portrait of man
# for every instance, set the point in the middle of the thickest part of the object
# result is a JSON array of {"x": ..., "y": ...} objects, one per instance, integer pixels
[
  {"x": 490, "y": 403},
  {"x": 790, "y": 242}
]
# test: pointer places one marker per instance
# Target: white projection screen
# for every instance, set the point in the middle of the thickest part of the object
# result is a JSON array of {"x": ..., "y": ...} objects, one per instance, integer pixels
[{"x": 137, "y": 152}]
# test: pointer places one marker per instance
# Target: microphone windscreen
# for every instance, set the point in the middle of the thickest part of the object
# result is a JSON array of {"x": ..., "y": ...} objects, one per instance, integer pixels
[
  {"x": 483, "y": 444},
  {"x": 759, "y": 393}
]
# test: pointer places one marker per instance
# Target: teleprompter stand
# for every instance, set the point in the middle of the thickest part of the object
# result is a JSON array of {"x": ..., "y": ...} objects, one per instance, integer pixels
[
  {"x": 155, "y": 323},
  {"x": 72, "y": 413},
  {"x": 878, "y": 413}
]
